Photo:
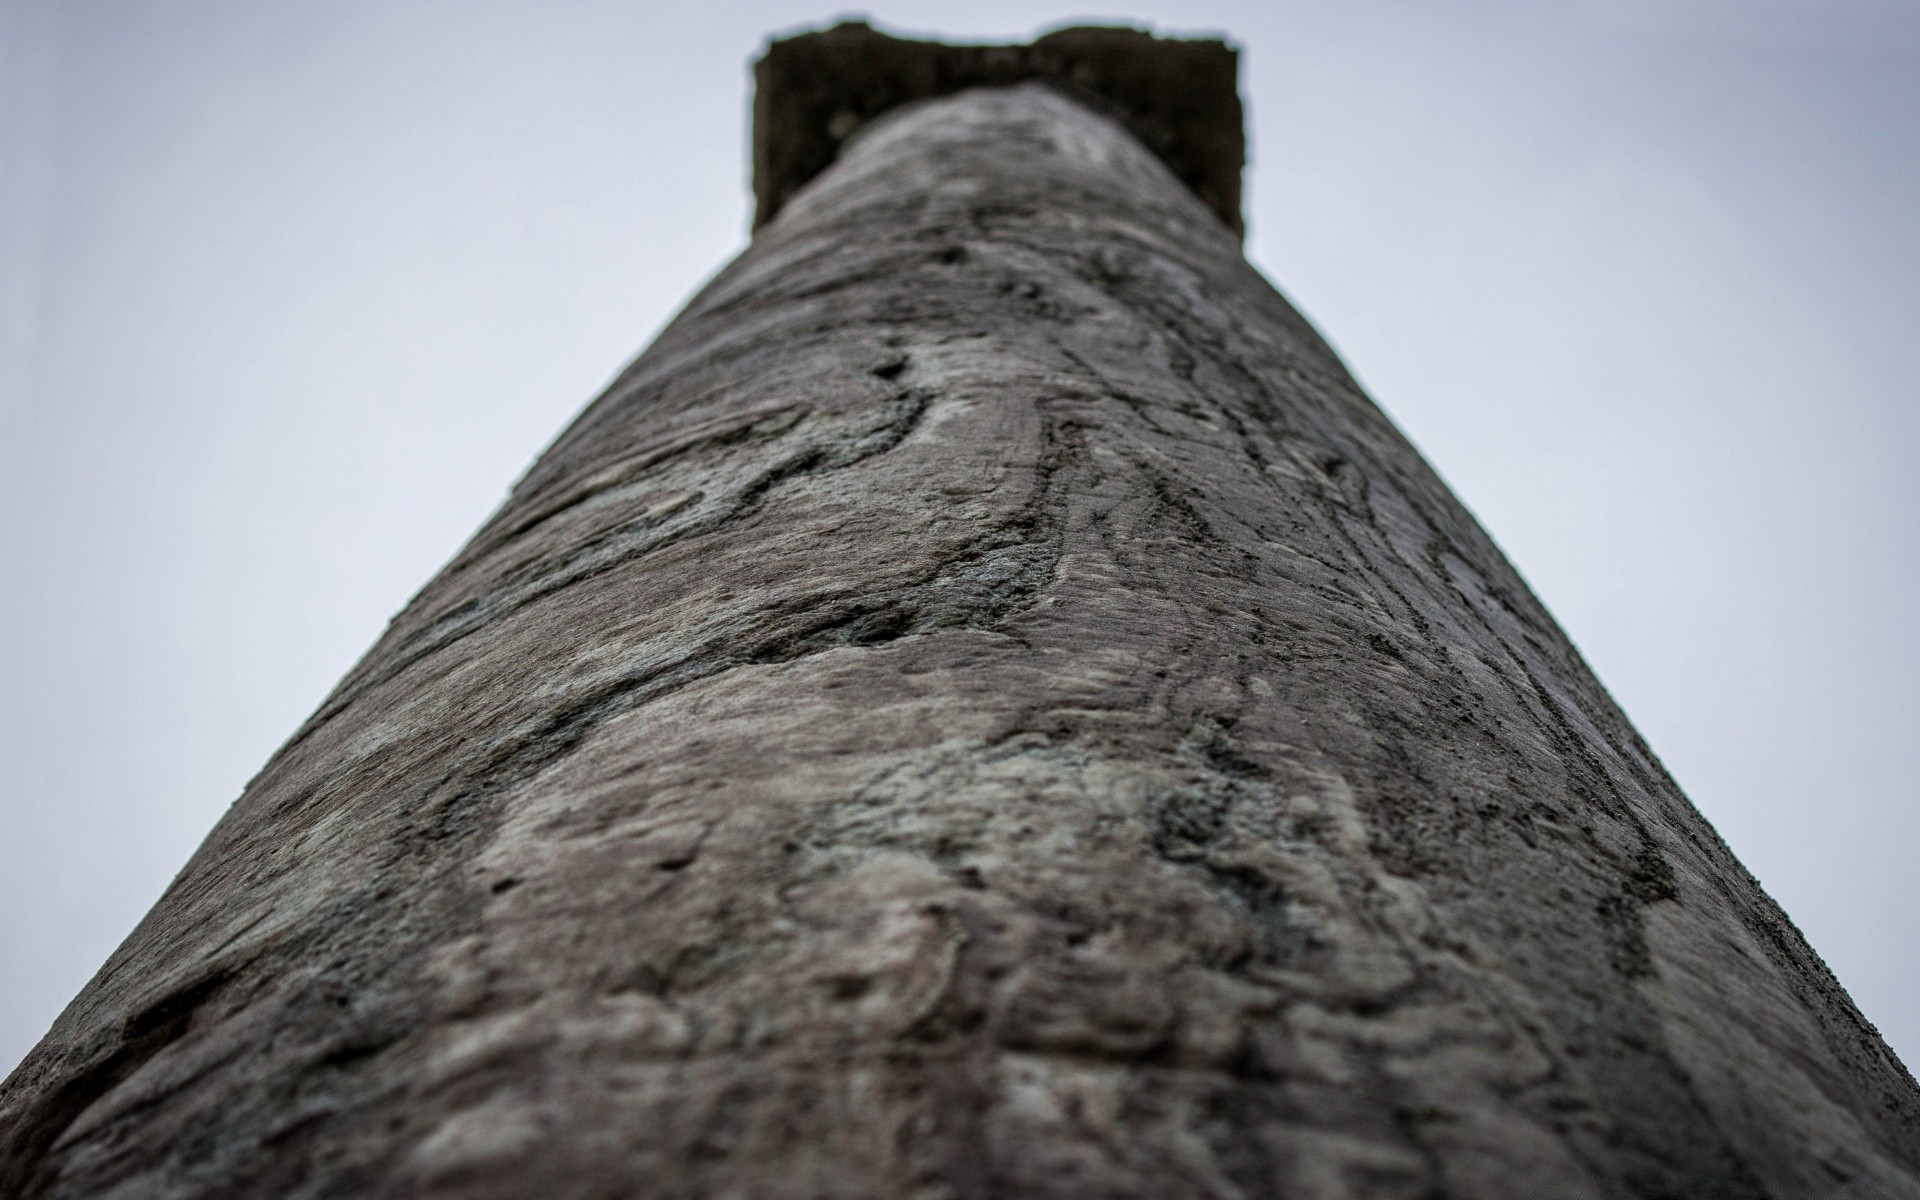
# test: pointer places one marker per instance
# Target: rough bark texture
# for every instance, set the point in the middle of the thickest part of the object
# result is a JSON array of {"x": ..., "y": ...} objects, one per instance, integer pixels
[{"x": 984, "y": 707}]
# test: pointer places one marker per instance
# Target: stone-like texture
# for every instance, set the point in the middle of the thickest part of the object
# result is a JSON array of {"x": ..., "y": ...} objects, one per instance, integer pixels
[
  {"x": 1179, "y": 96},
  {"x": 982, "y": 708}
]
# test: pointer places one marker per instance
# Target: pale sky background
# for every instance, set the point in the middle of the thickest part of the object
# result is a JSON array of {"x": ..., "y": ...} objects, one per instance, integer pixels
[{"x": 290, "y": 292}]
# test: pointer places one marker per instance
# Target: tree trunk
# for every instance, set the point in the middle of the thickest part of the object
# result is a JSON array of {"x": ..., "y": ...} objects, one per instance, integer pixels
[{"x": 984, "y": 707}]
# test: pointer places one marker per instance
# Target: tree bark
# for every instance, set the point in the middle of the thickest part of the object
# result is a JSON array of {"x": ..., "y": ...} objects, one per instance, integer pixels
[{"x": 983, "y": 707}]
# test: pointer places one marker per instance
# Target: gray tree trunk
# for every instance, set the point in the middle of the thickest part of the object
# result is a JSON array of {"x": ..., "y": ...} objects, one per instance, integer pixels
[{"x": 984, "y": 707}]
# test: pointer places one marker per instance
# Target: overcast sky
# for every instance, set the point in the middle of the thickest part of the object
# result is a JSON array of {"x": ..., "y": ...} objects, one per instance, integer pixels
[{"x": 291, "y": 292}]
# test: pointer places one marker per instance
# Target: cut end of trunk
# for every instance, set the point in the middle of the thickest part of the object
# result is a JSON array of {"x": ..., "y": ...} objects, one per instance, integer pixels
[{"x": 1178, "y": 96}]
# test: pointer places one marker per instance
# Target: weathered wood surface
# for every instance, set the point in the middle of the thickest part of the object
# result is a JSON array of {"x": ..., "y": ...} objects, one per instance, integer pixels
[{"x": 984, "y": 707}]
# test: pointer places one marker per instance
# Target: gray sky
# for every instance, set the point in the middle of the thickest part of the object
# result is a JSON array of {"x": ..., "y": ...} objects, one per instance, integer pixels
[{"x": 290, "y": 292}]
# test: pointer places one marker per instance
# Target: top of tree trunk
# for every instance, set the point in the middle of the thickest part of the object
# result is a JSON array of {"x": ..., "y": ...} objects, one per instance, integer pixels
[{"x": 1179, "y": 96}]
